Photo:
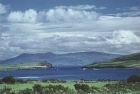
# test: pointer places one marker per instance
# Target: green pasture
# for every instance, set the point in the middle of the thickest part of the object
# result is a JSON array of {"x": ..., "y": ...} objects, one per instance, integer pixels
[{"x": 16, "y": 66}]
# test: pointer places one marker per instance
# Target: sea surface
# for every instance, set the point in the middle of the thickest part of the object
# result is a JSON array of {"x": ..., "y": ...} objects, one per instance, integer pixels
[{"x": 71, "y": 73}]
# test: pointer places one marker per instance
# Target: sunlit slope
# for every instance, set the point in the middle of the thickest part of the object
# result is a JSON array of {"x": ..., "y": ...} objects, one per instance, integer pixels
[{"x": 127, "y": 61}]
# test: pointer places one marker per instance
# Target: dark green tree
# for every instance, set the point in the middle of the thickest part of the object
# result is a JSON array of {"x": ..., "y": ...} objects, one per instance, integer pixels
[
  {"x": 9, "y": 79},
  {"x": 133, "y": 78}
]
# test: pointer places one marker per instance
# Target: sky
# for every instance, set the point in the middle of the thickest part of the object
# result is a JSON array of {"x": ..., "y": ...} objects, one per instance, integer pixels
[{"x": 69, "y": 26}]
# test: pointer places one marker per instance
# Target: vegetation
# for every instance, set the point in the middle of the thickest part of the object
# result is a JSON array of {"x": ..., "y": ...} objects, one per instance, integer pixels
[
  {"x": 128, "y": 61},
  {"x": 11, "y": 80},
  {"x": 27, "y": 65},
  {"x": 53, "y": 86},
  {"x": 53, "y": 81},
  {"x": 8, "y": 79},
  {"x": 83, "y": 87},
  {"x": 45, "y": 63},
  {"x": 133, "y": 79}
]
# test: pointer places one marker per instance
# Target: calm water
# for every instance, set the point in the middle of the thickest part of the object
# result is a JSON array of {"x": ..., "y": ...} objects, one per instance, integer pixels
[{"x": 72, "y": 73}]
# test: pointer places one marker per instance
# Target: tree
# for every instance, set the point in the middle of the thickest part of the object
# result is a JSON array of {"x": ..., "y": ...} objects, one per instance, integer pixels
[
  {"x": 133, "y": 78},
  {"x": 9, "y": 79}
]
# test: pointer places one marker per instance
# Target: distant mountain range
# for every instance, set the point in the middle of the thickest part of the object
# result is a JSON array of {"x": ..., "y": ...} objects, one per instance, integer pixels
[
  {"x": 127, "y": 61},
  {"x": 70, "y": 59}
]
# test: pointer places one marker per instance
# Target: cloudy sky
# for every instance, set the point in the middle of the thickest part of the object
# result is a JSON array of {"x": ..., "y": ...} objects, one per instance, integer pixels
[{"x": 65, "y": 26}]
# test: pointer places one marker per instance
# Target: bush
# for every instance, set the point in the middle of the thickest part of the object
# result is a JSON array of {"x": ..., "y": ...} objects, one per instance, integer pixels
[
  {"x": 9, "y": 79},
  {"x": 7, "y": 90},
  {"x": 83, "y": 87},
  {"x": 53, "y": 81},
  {"x": 37, "y": 88},
  {"x": 133, "y": 78},
  {"x": 57, "y": 87},
  {"x": 26, "y": 91},
  {"x": 21, "y": 81},
  {"x": 77, "y": 86}
]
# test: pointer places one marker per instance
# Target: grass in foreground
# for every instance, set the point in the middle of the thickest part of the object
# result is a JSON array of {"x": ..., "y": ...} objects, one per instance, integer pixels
[
  {"x": 69, "y": 87},
  {"x": 69, "y": 84},
  {"x": 10, "y": 85}
]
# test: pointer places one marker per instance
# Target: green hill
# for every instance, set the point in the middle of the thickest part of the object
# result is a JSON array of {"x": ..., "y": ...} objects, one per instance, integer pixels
[{"x": 127, "y": 61}]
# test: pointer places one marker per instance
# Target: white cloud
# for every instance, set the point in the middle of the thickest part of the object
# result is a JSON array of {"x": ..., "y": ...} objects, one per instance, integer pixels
[
  {"x": 124, "y": 37},
  {"x": 70, "y": 15},
  {"x": 135, "y": 8},
  {"x": 64, "y": 42},
  {"x": 27, "y": 16},
  {"x": 129, "y": 14},
  {"x": 53, "y": 15},
  {"x": 68, "y": 29},
  {"x": 129, "y": 11},
  {"x": 82, "y": 7},
  {"x": 3, "y": 9}
]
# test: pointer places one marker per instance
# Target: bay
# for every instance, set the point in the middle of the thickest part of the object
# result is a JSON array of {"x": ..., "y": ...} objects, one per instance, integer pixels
[{"x": 71, "y": 73}]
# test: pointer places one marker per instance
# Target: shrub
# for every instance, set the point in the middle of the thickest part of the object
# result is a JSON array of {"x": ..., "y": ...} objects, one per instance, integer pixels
[
  {"x": 21, "y": 81},
  {"x": 77, "y": 86},
  {"x": 133, "y": 78},
  {"x": 37, "y": 88},
  {"x": 9, "y": 79},
  {"x": 53, "y": 81},
  {"x": 26, "y": 91},
  {"x": 7, "y": 90},
  {"x": 83, "y": 87}
]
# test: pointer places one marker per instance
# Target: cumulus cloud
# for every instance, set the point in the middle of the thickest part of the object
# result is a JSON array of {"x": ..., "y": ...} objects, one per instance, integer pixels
[
  {"x": 57, "y": 14},
  {"x": 70, "y": 15},
  {"x": 3, "y": 8},
  {"x": 124, "y": 37},
  {"x": 27, "y": 16}
]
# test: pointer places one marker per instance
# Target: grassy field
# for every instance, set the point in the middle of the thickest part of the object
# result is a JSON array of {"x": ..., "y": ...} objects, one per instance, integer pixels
[
  {"x": 96, "y": 87},
  {"x": 10, "y": 85},
  {"x": 17, "y": 66}
]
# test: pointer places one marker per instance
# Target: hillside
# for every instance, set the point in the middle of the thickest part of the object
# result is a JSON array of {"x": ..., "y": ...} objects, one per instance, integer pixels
[
  {"x": 70, "y": 59},
  {"x": 128, "y": 61}
]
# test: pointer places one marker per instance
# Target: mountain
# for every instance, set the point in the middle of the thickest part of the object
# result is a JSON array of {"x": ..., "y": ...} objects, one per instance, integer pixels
[
  {"x": 71, "y": 59},
  {"x": 127, "y": 61}
]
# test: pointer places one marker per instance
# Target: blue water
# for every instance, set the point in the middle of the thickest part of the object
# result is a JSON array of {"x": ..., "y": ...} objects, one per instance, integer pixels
[{"x": 72, "y": 73}]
